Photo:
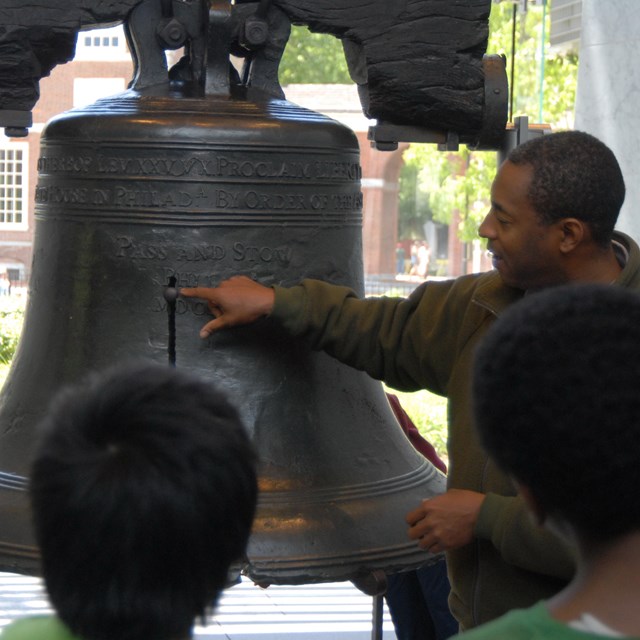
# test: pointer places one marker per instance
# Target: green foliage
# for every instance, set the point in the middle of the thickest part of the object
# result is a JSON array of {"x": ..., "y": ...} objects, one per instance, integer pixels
[
  {"x": 451, "y": 181},
  {"x": 11, "y": 317},
  {"x": 559, "y": 71},
  {"x": 436, "y": 184},
  {"x": 313, "y": 58},
  {"x": 4, "y": 370},
  {"x": 413, "y": 201}
]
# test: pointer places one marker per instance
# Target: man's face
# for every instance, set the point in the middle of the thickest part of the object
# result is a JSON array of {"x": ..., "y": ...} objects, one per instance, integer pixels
[{"x": 524, "y": 248}]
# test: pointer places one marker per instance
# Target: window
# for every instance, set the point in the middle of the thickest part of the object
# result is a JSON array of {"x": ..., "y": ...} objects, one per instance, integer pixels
[
  {"x": 103, "y": 44},
  {"x": 105, "y": 41},
  {"x": 13, "y": 192}
]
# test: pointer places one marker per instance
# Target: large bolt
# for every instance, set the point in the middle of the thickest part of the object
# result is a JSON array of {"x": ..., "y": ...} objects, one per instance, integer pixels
[
  {"x": 255, "y": 32},
  {"x": 172, "y": 33}
]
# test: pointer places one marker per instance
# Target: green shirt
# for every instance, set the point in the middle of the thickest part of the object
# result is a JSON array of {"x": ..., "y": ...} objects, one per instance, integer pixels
[
  {"x": 534, "y": 623},
  {"x": 37, "y": 628}
]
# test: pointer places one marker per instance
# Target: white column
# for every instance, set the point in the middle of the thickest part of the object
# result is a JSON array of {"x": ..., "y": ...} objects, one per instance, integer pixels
[{"x": 608, "y": 97}]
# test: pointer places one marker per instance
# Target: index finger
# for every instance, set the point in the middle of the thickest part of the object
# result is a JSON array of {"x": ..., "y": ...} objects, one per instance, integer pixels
[{"x": 195, "y": 292}]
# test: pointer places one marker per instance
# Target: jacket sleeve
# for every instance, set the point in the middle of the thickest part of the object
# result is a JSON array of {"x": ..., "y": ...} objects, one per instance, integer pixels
[
  {"x": 510, "y": 527},
  {"x": 398, "y": 340}
]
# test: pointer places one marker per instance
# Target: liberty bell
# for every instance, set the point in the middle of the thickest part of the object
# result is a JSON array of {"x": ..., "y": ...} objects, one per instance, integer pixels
[{"x": 187, "y": 178}]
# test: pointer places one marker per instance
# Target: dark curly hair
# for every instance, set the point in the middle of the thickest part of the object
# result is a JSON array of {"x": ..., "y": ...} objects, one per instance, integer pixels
[
  {"x": 557, "y": 400},
  {"x": 574, "y": 176},
  {"x": 143, "y": 491}
]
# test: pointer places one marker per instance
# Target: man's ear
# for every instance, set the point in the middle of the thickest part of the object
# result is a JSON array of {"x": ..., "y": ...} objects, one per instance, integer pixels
[
  {"x": 537, "y": 510},
  {"x": 572, "y": 233}
]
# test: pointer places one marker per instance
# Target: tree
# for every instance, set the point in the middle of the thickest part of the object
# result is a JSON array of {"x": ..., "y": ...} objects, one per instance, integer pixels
[
  {"x": 559, "y": 70},
  {"x": 313, "y": 58},
  {"x": 445, "y": 182},
  {"x": 413, "y": 200}
]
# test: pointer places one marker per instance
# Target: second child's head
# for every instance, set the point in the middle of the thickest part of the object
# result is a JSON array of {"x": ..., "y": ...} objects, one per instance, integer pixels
[{"x": 557, "y": 403}]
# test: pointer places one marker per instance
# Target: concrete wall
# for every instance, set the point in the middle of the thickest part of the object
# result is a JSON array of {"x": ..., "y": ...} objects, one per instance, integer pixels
[{"x": 608, "y": 99}]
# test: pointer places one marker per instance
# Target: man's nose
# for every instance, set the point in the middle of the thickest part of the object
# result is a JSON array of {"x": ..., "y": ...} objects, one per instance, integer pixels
[{"x": 486, "y": 229}]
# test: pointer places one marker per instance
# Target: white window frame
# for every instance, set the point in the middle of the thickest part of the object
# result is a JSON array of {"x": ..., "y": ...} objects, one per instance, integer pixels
[{"x": 14, "y": 185}]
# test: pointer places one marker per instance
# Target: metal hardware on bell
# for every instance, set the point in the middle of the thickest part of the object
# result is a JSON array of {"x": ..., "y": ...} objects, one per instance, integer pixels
[{"x": 164, "y": 186}]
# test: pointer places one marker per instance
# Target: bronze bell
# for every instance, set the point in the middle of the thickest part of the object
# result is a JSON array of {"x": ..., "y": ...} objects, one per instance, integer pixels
[{"x": 160, "y": 187}]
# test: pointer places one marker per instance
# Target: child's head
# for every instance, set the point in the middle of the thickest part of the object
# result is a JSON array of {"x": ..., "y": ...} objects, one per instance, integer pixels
[
  {"x": 143, "y": 490},
  {"x": 557, "y": 403}
]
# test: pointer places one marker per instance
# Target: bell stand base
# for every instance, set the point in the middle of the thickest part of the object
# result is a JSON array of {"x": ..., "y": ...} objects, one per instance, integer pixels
[
  {"x": 376, "y": 623},
  {"x": 374, "y": 584}
]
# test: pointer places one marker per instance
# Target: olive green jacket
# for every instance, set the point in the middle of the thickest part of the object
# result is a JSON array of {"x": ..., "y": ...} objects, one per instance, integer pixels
[{"x": 428, "y": 341}]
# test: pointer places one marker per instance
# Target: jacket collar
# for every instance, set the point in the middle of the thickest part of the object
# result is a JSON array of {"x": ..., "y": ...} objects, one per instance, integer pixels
[
  {"x": 492, "y": 294},
  {"x": 495, "y": 296},
  {"x": 630, "y": 274}
]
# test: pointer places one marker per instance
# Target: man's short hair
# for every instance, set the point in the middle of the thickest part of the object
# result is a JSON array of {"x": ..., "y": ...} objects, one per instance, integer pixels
[
  {"x": 143, "y": 491},
  {"x": 557, "y": 403},
  {"x": 575, "y": 175}
]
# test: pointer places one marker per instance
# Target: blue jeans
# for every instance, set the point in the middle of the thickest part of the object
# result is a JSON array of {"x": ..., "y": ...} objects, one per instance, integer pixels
[{"x": 417, "y": 602}]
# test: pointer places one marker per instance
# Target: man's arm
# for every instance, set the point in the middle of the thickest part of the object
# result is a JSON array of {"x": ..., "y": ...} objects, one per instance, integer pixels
[
  {"x": 363, "y": 333},
  {"x": 455, "y": 518},
  {"x": 408, "y": 343}
]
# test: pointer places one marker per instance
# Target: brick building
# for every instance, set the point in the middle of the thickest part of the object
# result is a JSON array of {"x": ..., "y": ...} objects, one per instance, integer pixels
[{"x": 102, "y": 66}]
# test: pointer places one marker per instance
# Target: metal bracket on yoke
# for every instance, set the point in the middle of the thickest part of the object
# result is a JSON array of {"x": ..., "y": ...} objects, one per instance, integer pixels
[
  {"x": 518, "y": 133},
  {"x": 16, "y": 123}
]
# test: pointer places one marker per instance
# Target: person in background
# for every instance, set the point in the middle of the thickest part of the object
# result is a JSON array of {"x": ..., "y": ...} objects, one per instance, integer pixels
[
  {"x": 567, "y": 432},
  {"x": 5, "y": 285},
  {"x": 413, "y": 257},
  {"x": 400, "y": 264},
  {"x": 143, "y": 491},
  {"x": 424, "y": 257}
]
